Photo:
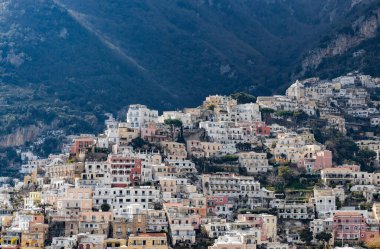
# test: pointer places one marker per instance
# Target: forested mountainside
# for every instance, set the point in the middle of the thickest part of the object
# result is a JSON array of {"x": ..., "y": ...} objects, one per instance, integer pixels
[{"x": 77, "y": 59}]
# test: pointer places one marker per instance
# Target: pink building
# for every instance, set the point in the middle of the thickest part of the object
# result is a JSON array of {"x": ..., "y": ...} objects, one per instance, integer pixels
[
  {"x": 81, "y": 144},
  {"x": 323, "y": 160},
  {"x": 349, "y": 226},
  {"x": 153, "y": 133},
  {"x": 255, "y": 128},
  {"x": 262, "y": 129},
  {"x": 125, "y": 170},
  {"x": 217, "y": 204},
  {"x": 265, "y": 222}
]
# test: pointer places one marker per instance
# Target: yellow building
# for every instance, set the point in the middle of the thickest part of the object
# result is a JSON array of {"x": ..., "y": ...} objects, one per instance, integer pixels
[
  {"x": 9, "y": 241},
  {"x": 33, "y": 200},
  {"x": 197, "y": 148},
  {"x": 115, "y": 243},
  {"x": 148, "y": 241},
  {"x": 174, "y": 150},
  {"x": 35, "y": 237},
  {"x": 127, "y": 134},
  {"x": 218, "y": 103},
  {"x": 31, "y": 179}
]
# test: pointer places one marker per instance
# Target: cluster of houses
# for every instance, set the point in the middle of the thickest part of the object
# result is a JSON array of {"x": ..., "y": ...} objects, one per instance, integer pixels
[
  {"x": 143, "y": 183},
  {"x": 331, "y": 100}
]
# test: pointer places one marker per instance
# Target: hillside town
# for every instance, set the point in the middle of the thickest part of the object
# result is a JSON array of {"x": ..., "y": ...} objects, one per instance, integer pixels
[{"x": 299, "y": 170}]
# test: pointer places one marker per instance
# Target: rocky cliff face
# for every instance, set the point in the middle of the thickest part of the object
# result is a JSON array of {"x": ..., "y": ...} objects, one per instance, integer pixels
[
  {"x": 362, "y": 28},
  {"x": 20, "y": 136}
]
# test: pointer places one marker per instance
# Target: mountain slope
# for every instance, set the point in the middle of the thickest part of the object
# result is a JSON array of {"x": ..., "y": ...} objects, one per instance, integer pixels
[
  {"x": 42, "y": 44},
  {"x": 65, "y": 62},
  {"x": 352, "y": 44},
  {"x": 164, "y": 53}
]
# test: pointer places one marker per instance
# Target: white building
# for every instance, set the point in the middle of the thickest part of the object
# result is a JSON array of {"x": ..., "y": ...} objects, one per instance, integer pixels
[
  {"x": 293, "y": 210},
  {"x": 182, "y": 167},
  {"x": 156, "y": 220},
  {"x": 28, "y": 156},
  {"x": 296, "y": 91},
  {"x": 241, "y": 113},
  {"x": 223, "y": 132},
  {"x": 231, "y": 185},
  {"x": 64, "y": 242},
  {"x": 111, "y": 131},
  {"x": 120, "y": 198},
  {"x": 324, "y": 202},
  {"x": 294, "y": 147},
  {"x": 184, "y": 233},
  {"x": 254, "y": 162},
  {"x": 247, "y": 239},
  {"x": 186, "y": 118},
  {"x": 140, "y": 115},
  {"x": 321, "y": 225}
]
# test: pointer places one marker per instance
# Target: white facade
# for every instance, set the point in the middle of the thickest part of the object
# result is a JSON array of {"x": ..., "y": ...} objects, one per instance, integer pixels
[
  {"x": 231, "y": 185},
  {"x": 120, "y": 198},
  {"x": 186, "y": 118},
  {"x": 182, "y": 233},
  {"x": 296, "y": 91},
  {"x": 183, "y": 166},
  {"x": 223, "y": 132},
  {"x": 254, "y": 162},
  {"x": 140, "y": 115},
  {"x": 111, "y": 132},
  {"x": 64, "y": 242},
  {"x": 248, "y": 112},
  {"x": 324, "y": 202},
  {"x": 293, "y": 210}
]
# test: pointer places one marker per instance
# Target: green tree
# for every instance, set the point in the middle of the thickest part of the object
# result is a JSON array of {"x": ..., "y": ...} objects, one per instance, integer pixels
[
  {"x": 138, "y": 143},
  {"x": 285, "y": 172},
  {"x": 243, "y": 98},
  {"x": 204, "y": 232},
  {"x": 306, "y": 236},
  {"x": 265, "y": 110},
  {"x": 343, "y": 148},
  {"x": 300, "y": 116},
  {"x": 323, "y": 237},
  {"x": 243, "y": 146},
  {"x": 284, "y": 114},
  {"x": 211, "y": 107},
  {"x": 105, "y": 207},
  {"x": 318, "y": 113},
  {"x": 175, "y": 123},
  {"x": 50, "y": 145},
  {"x": 338, "y": 203},
  {"x": 318, "y": 136},
  {"x": 365, "y": 158}
]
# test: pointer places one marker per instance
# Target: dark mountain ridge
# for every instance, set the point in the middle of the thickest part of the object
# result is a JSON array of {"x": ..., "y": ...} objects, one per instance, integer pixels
[
  {"x": 164, "y": 53},
  {"x": 81, "y": 58}
]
